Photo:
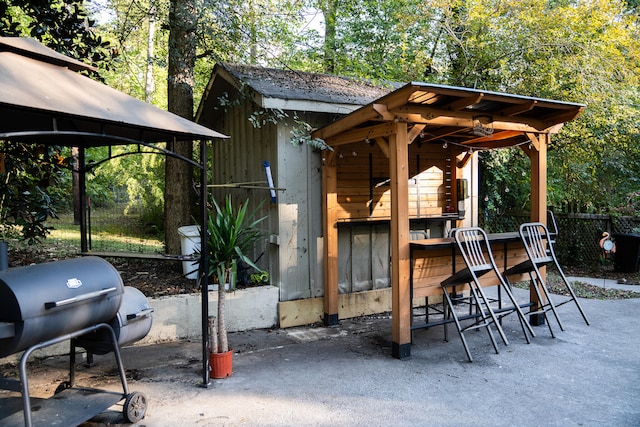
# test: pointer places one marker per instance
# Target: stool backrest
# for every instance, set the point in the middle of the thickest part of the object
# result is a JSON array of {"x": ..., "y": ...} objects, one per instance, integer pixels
[
  {"x": 537, "y": 243},
  {"x": 474, "y": 247}
]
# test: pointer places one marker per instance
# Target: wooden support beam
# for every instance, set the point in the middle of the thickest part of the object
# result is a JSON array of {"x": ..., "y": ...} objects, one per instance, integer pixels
[
  {"x": 464, "y": 102},
  {"x": 360, "y": 134},
  {"x": 330, "y": 231},
  {"x": 415, "y": 132},
  {"x": 350, "y": 121},
  {"x": 366, "y": 113},
  {"x": 383, "y": 144},
  {"x": 556, "y": 118},
  {"x": 539, "y": 180},
  {"x": 518, "y": 108},
  {"x": 381, "y": 109},
  {"x": 465, "y": 159},
  {"x": 538, "y": 158},
  {"x": 430, "y": 115},
  {"x": 534, "y": 140},
  {"x": 441, "y": 132},
  {"x": 400, "y": 256},
  {"x": 496, "y": 136}
]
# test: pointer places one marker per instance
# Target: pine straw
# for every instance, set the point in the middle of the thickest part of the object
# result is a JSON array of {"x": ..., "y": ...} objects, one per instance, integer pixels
[{"x": 583, "y": 290}]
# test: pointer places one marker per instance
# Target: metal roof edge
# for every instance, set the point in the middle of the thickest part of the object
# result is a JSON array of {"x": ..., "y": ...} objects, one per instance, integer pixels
[
  {"x": 32, "y": 48},
  {"x": 493, "y": 93}
]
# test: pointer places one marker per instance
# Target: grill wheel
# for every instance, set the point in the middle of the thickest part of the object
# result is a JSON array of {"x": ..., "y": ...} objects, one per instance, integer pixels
[{"x": 135, "y": 407}]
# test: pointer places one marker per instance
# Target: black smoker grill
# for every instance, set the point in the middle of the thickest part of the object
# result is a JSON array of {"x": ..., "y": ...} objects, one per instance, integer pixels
[{"x": 82, "y": 300}]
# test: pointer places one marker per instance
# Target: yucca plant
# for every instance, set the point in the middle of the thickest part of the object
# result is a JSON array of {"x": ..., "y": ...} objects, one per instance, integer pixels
[{"x": 232, "y": 234}]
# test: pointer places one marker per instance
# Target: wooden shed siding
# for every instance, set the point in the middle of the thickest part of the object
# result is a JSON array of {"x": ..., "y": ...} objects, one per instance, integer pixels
[
  {"x": 240, "y": 159},
  {"x": 364, "y": 207},
  {"x": 363, "y": 189},
  {"x": 299, "y": 217},
  {"x": 364, "y": 257}
]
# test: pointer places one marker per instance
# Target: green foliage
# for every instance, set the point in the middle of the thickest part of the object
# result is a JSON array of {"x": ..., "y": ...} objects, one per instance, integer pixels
[
  {"x": 135, "y": 30},
  {"x": 585, "y": 51},
  {"x": 30, "y": 170},
  {"x": 384, "y": 40},
  {"x": 232, "y": 234},
  {"x": 301, "y": 134},
  {"x": 504, "y": 182},
  {"x": 253, "y": 32},
  {"x": 141, "y": 187},
  {"x": 575, "y": 51},
  {"x": 62, "y": 25},
  {"x": 25, "y": 173}
]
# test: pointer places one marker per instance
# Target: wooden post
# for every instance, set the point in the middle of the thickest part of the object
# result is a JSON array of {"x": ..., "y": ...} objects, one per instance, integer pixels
[
  {"x": 400, "y": 261},
  {"x": 538, "y": 158},
  {"x": 330, "y": 231},
  {"x": 539, "y": 179}
]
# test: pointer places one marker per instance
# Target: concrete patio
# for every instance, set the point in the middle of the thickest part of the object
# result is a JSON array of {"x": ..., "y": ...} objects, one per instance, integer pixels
[{"x": 345, "y": 376}]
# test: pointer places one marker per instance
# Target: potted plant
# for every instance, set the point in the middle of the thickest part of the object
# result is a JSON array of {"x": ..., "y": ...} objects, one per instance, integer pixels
[{"x": 232, "y": 233}]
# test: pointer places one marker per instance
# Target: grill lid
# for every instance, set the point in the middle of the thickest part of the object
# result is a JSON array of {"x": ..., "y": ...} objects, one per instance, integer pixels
[
  {"x": 40, "y": 289},
  {"x": 45, "y": 301}
]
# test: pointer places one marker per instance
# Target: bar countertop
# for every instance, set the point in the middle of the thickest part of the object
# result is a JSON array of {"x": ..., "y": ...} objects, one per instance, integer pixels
[{"x": 444, "y": 242}]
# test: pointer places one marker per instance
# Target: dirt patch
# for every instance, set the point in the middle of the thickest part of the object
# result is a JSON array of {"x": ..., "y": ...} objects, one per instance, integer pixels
[
  {"x": 152, "y": 277},
  {"x": 156, "y": 278}
]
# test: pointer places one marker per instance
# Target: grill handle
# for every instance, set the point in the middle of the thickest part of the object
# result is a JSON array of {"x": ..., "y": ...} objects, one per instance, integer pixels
[
  {"x": 144, "y": 313},
  {"x": 74, "y": 300}
]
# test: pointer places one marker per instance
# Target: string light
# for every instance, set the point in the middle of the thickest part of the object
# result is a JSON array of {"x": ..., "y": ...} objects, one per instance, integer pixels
[{"x": 480, "y": 148}]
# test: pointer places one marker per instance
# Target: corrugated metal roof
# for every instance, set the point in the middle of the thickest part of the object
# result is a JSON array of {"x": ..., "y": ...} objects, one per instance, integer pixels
[{"x": 41, "y": 97}]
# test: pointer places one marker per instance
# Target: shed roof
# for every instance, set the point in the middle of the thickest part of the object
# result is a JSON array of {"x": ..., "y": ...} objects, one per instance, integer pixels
[
  {"x": 290, "y": 84},
  {"x": 43, "y": 97},
  {"x": 297, "y": 90}
]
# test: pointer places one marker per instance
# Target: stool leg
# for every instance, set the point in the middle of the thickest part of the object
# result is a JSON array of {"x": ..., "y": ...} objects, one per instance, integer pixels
[
  {"x": 475, "y": 290},
  {"x": 521, "y": 317},
  {"x": 543, "y": 309},
  {"x": 547, "y": 294},
  {"x": 449, "y": 303},
  {"x": 573, "y": 295}
]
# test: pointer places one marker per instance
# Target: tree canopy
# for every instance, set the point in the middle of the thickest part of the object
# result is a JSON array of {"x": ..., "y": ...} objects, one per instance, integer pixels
[
  {"x": 27, "y": 170},
  {"x": 579, "y": 51},
  {"x": 585, "y": 51}
]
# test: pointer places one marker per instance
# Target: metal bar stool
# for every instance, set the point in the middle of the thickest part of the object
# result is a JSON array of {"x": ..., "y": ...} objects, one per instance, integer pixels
[
  {"x": 539, "y": 247},
  {"x": 474, "y": 247},
  {"x": 414, "y": 235}
]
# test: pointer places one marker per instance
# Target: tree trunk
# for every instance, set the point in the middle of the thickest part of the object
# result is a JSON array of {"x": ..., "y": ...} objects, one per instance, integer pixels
[
  {"x": 223, "y": 342},
  {"x": 178, "y": 196},
  {"x": 148, "y": 80},
  {"x": 213, "y": 335},
  {"x": 329, "y": 8}
]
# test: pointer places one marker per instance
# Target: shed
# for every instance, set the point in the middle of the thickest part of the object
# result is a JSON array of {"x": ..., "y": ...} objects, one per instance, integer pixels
[
  {"x": 276, "y": 101},
  {"x": 406, "y": 129}
]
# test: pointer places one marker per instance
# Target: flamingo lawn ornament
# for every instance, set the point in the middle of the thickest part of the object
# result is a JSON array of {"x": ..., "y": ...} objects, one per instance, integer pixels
[{"x": 607, "y": 245}]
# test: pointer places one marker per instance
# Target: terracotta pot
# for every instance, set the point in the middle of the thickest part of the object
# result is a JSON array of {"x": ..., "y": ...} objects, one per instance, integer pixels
[{"x": 221, "y": 364}]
